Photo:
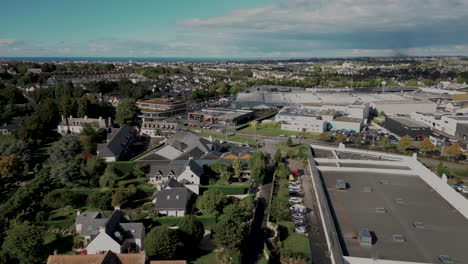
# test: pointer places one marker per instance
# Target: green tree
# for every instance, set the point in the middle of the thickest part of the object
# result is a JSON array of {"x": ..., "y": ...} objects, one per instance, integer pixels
[
  {"x": 10, "y": 167},
  {"x": 231, "y": 235},
  {"x": 109, "y": 178},
  {"x": 282, "y": 171},
  {"x": 289, "y": 143},
  {"x": 101, "y": 200},
  {"x": 212, "y": 202},
  {"x": 66, "y": 148},
  {"x": 382, "y": 114},
  {"x": 91, "y": 134},
  {"x": 279, "y": 210},
  {"x": 257, "y": 165},
  {"x": 405, "y": 142},
  {"x": 123, "y": 196},
  {"x": 91, "y": 170},
  {"x": 426, "y": 145},
  {"x": 235, "y": 213},
  {"x": 163, "y": 243},
  {"x": 192, "y": 228},
  {"x": 453, "y": 150},
  {"x": 68, "y": 173},
  {"x": 237, "y": 167},
  {"x": 25, "y": 243},
  {"x": 278, "y": 156},
  {"x": 83, "y": 107},
  {"x": 127, "y": 112}
]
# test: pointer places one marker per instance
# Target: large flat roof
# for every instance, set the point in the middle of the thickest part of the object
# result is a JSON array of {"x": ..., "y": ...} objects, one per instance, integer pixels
[
  {"x": 408, "y": 122},
  {"x": 406, "y": 199}
]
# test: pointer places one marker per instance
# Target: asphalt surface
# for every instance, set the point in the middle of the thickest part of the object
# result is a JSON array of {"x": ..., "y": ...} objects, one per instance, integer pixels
[{"x": 317, "y": 240}]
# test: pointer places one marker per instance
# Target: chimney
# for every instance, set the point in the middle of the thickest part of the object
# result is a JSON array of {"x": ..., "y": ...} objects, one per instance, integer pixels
[
  {"x": 116, "y": 208},
  {"x": 78, "y": 212},
  {"x": 102, "y": 229},
  {"x": 71, "y": 117},
  {"x": 85, "y": 117},
  {"x": 100, "y": 118},
  {"x": 55, "y": 252}
]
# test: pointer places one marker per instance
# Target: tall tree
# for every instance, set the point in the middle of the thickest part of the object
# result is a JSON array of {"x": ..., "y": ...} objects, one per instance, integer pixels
[
  {"x": 212, "y": 202},
  {"x": 453, "y": 150},
  {"x": 257, "y": 165},
  {"x": 426, "y": 145},
  {"x": 10, "y": 167},
  {"x": 83, "y": 107},
  {"x": 163, "y": 243},
  {"x": 109, "y": 178},
  {"x": 192, "y": 228},
  {"x": 127, "y": 112},
  {"x": 278, "y": 156},
  {"x": 237, "y": 167},
  {"x": 405, "y": 142},
  {"x": 25, "y": 243},
  {"x": 66, "y": 148},
  {"x": 290, "y": 143}
]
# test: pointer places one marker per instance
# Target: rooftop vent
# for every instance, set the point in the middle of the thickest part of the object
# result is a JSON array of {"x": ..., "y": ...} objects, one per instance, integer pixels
[
  {"x": 367, "y": 189},
  {"x": 383, "y": 181},
  {"x": 380, "y": 210},
  {"x": 399, "y": 201},
  {"x": 419, "y": 225},
  {"x": 399, "y": 238}
]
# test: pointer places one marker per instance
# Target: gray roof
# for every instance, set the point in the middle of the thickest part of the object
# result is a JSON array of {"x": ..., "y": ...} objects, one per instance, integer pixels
[
  {"x": 117, "y": 143},
  {"x": 175, "y": 167},
  {"x": 14, "y": 125},
  {"x": 173, "y": 199},
  {"x": 186, "y": 140},
  {"x": 117, "y": 225}
]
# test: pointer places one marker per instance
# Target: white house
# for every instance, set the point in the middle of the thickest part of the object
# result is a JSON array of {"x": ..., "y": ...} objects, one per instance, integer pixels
[
  {"x": 75, "y": 124},
  {"x": 187, "y": 172}
]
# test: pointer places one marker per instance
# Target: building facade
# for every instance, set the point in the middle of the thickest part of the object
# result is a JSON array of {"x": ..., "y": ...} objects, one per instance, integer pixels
[
  {"x": 160, "y": 108},
  {"x": 75, "y": 124},
  {"x": 159, "y": 128}
]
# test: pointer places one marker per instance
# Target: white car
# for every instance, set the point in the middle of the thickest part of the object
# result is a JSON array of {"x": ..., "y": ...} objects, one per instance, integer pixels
[
  {"x": 295, "y": 200},
  {"x": 298, "y": 221},
  {"x": 301, "y": 229}
]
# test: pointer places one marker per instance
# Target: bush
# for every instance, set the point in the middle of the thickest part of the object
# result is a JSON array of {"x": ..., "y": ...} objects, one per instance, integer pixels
[
  {"x": 61, "y": 198},
  {"x": 100, "y": 200},
  {"x": 228, "y": 189}
]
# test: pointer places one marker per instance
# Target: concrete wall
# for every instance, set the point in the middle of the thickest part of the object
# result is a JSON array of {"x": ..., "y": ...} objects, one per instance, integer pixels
[{"x": 354, "y": 260}]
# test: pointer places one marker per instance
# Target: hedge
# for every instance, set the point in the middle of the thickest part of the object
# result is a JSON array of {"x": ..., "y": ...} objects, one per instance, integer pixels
[
  {"x": 228, "y": 189},
  {"x": 124, "y": 166},
  {"x": 208, "y": 221}
]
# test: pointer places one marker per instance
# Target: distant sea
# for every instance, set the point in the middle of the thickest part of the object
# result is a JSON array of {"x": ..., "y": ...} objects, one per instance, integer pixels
[{"x": 121, "y": 59}]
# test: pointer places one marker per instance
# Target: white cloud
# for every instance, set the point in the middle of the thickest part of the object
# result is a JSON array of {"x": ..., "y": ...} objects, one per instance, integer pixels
[{"x": 7, "y": 42}]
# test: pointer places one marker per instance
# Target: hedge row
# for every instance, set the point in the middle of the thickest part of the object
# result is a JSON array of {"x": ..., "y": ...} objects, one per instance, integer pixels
[
  {"x": 228, "y": 189},
  {"x": 124, "y": 166},
  {"x": 208, "y": 221}
]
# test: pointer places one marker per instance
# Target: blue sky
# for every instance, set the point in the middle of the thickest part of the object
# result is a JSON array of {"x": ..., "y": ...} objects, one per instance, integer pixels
[{"x": 233, "y": 29}]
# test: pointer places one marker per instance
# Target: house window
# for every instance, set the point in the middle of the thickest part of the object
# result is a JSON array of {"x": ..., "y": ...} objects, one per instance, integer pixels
[
  {"x": 168, "y": 197},
  {"x": 90, "y": 227},
  {"x": 177, "y": 197}
]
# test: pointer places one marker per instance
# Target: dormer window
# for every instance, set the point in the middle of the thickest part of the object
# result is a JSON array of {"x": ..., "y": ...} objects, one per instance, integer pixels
[{"x": 168, "y": 197}]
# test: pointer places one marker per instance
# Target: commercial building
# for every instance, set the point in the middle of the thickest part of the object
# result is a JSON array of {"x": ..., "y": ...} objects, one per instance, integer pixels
[
  {"x": 160, "y": 108},
  {"x": 404, "y": 107},
  {"x": 159, "y": 128},
  {"x": 403, "y": 126},
  {"x": 75, "y": 124},
  {"x": 221, "y": 116},
  {"x": 394, "y": 210},
  {"x": 446, "y": 123},
  {"x": 300, "y": 119}
]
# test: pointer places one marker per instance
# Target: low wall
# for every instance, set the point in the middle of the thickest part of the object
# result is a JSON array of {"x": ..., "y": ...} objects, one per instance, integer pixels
[
  {"x": 331, "y": 234},
  {"x": 355, "y": 260},
  {"x": 374, "y": 170}
]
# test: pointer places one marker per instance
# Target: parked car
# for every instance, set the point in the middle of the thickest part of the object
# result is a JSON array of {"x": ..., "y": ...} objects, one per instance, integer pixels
[
  {"x": 298, "y": 208},
  {"x": 295, "y": 200},
  {"x": 282, "y": 135},
  {"x": 301, "y": 229},
  {"x": 298, "y": 221}
]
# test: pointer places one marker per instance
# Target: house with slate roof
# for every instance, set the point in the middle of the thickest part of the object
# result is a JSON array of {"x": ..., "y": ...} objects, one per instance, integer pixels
[
  {"x": 75, "y": 124},
  {"x": 187, "y": 172},
  {"x": 115, "y": 232},
  {"x": 11, "y": 127},
  {"x": 184, "y": 145},
  {"x": 107, "y": 258},
  {"x": 174, "y": 200},
  {"x": 118, "y": 142}
]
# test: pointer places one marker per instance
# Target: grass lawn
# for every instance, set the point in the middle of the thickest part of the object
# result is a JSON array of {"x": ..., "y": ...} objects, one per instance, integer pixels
[
  {"x": 229, "y": 138},
  {"x": 210, "y": 258},
  {"x": 296, "y": 244}
]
